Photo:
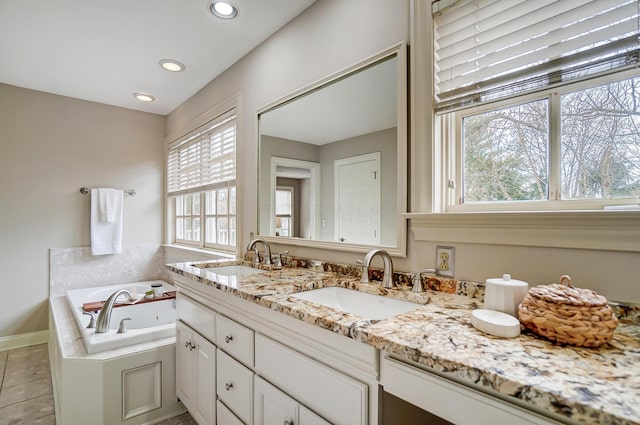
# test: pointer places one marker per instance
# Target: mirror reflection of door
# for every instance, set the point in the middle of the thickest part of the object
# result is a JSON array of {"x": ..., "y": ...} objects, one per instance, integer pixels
[{"x": 357, "y": 199}]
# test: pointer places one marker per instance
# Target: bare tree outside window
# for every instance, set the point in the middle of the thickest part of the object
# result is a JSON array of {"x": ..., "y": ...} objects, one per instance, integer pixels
[
  {"x": 601, "y": 141},
  {"x": 505, "y": 154},
  {"x": 506, "y": 151}
]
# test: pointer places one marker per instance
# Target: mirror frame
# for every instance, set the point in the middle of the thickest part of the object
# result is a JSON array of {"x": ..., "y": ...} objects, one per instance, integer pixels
[{"x": 398, "y": 50}]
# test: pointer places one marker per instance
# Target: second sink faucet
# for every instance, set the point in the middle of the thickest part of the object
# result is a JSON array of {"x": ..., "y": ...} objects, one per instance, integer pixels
[
  {"x": 256, "y": 254},
  {"x": 387, "y": 278}
]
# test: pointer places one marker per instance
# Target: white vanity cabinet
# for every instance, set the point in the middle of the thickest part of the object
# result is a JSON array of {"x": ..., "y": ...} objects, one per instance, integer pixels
[
  {"x": 273, "y": 407},
  {"x": 196, "y": 374},
  {"x": 271, "y": 367}
]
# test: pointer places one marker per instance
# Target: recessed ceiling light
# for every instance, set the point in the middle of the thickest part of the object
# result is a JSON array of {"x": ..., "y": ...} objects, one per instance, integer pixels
[
  {"x": 172, "y": 65},
  {"x": 144, "y": 97},
  {"x": 223, "y": 9}
]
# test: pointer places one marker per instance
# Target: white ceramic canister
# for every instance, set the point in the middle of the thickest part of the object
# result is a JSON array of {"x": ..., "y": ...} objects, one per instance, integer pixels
[{"x": 504, "y": 294}]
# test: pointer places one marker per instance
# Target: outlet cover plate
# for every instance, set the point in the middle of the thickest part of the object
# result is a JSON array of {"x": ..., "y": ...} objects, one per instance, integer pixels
[{"x": 445, "y": 260}]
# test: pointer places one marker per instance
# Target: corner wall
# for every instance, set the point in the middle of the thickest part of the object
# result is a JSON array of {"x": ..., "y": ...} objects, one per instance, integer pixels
[{"x": 51, "y": 146}]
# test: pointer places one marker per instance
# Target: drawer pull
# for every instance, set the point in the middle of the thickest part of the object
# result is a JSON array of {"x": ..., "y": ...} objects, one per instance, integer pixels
[
  {"x": 228, "y": 338},
  {"x": 288, "y": 422},
  {"x": 228, "y": 386},
  {"x": 189, "y": 345}
]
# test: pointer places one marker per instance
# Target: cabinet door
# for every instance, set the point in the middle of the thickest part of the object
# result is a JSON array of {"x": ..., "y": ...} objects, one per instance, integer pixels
[
  {"x": 307, "y": 417},
  {"x": 185, "y": 366},
  {"x": 205, "y": 386},
  {"x": 271, "y": 406}
]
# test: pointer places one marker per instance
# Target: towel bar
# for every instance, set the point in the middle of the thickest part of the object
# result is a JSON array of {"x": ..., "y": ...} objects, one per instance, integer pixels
[{"x": 84, "y": 190}]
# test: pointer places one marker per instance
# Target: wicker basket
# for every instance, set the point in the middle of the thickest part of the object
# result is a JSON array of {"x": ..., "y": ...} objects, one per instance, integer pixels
[{"x": 568, "y": 315}]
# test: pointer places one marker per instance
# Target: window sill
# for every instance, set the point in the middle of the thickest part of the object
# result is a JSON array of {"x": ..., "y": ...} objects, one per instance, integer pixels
[
  {"x": 603, "y": 230},
  {"x": 200, "y": 251}
]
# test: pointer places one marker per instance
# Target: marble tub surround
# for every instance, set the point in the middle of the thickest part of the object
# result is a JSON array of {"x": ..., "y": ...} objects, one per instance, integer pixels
[
  {"x": 74, "y": 268},
  {"x": 590, "y": 386}
]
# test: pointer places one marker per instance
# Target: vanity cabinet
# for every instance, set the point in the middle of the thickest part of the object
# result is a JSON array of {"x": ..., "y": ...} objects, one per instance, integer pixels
[
  {"x": 196, "y": 374},
  {"x": 273, "y": 407},
  {"x": 270, "y": 368}
]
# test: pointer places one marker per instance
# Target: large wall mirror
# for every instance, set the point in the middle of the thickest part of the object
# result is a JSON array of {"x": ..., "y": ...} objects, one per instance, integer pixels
[{"x": 333, "y": 160}]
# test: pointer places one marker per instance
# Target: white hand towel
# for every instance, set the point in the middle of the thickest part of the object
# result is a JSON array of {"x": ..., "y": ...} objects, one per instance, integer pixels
[
  {"x": 106, "y": 204},
  {"x": 106, "y": 237}
]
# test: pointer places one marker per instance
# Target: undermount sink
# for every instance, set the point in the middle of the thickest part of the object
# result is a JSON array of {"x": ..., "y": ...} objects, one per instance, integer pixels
[
  {"x": 375, "y": 307},
  {"x": 234, "y": 270}
]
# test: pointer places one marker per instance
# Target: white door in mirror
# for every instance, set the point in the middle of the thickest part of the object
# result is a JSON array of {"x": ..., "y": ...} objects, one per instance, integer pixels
[{"x": 495, "y": 323}]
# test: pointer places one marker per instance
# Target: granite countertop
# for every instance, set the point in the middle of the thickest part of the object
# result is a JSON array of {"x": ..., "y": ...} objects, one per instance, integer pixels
[{"x": 586, "y": 385}]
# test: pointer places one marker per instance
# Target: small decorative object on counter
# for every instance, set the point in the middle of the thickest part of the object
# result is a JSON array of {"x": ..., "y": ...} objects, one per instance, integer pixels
[
  {"x": 504, "y": 294},
  {"x": 157, "y": 289},
  {"x": 568, "y": 315},
  {"x": 495, "y": 323}
]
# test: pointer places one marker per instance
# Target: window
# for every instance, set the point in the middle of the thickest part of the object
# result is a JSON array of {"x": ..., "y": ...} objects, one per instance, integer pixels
[
  {"x": 538, "y": 103},
  {"x": 284, "y": 211},
  {"x": 201, "y": 185}
]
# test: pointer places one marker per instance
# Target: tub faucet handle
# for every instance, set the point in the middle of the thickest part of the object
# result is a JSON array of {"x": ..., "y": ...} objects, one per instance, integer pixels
[
  {"x": 92, "y": 319},
  {"x": 121, "y": 328}
]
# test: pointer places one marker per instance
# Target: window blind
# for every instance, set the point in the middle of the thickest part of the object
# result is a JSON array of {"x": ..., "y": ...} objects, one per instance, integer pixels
[
  {"x": 205, "y": 160},
  {"x": 486, "y": 50}
]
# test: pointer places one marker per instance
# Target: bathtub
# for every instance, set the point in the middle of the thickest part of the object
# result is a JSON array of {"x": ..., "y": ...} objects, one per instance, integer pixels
[{"x": 149, "y": 321}]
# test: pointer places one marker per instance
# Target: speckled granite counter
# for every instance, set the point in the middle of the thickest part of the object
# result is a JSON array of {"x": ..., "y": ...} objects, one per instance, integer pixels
[{"x": 591, "y": 386}]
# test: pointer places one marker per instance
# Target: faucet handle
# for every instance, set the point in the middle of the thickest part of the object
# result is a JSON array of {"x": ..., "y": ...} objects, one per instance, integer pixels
[
  {"x": 92, "y": 320},
  {"x": 121, "y": 328},
  {"x": 277, "y": 258},
  {"x": 417, "y": 280},
  {"x": 365, "y": 272}
]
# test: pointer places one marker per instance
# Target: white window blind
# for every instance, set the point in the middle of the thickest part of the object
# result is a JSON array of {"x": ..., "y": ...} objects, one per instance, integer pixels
[
  {"x": 205, "y": 160},
  {"x": 486, "y": 50}
]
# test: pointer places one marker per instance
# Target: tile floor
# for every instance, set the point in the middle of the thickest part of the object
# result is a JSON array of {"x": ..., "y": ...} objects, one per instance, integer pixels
[{"x": 26, "y": 395}]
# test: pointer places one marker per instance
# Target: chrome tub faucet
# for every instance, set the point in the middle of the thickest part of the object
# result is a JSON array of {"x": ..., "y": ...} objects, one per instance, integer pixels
[{"x": 104, "y": 316}]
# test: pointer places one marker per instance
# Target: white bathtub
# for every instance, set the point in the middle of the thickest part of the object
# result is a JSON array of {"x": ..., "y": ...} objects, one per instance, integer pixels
[{"x": 149, "y": 321}]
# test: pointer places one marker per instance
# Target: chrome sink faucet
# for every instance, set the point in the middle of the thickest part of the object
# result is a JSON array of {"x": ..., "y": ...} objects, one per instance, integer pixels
[
  {"x": 256, "y": 254},
  {"x": 104, "y": 316},
  {"x": 387, "y": 278}
]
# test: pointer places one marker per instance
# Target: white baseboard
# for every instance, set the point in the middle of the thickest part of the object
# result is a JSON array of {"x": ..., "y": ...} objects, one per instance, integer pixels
[{"x": 23, "y": 340}]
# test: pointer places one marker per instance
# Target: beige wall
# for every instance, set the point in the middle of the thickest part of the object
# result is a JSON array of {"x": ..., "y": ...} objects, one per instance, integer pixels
[
  {"x": 50, "y": 147},
  {"x": 327, "y": 37}
]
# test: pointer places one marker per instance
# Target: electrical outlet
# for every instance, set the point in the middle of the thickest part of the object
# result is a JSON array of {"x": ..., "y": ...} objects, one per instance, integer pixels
[{"x": 445, "y": 260}]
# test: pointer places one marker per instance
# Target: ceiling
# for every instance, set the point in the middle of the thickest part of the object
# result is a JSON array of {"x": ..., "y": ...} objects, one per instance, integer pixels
[{"x": 104, "y": 51}]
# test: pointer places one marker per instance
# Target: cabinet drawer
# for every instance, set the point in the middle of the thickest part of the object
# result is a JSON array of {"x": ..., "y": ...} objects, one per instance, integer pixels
[
  {"x": 235, "y": 386},
  {"x": 443, "y": 398},
  {"x": 235, "y": 339},
  {"x": 197, "y": 316},
  {"x": 337, "y": 397},
  {"x": 225, "y": 416}
]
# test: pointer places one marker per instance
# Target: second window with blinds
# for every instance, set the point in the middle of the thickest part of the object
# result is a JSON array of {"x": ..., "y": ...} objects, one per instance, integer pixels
[
  {"x": 202, "y": 185},
  {"x": 537, "y": 103}
]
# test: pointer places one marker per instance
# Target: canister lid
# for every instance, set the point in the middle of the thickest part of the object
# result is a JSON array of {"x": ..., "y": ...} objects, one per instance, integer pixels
[
  {"x": 506, "y": 281},
  {"x": 566, "y": 293}
]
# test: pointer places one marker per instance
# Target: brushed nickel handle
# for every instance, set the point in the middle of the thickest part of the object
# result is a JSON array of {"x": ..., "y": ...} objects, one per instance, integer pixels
[
  {"x": 288, "y": 422},
  {"x": 228, "y": 386},
  {"x": 228, "y": 339}
]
